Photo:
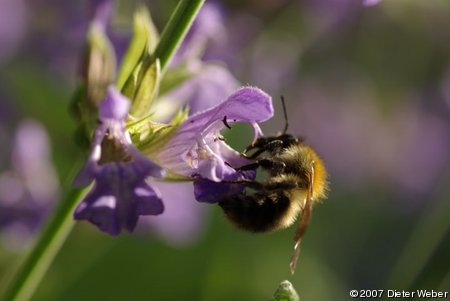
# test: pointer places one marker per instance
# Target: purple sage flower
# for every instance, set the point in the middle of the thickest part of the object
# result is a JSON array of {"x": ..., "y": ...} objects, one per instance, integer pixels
[
  {"x": 120, "y": 194},
  {"x": 198, "y": 150}
]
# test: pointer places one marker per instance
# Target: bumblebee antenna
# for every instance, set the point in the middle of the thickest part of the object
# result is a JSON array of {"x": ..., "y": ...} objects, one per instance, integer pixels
[{"x": 286, "y": 123}]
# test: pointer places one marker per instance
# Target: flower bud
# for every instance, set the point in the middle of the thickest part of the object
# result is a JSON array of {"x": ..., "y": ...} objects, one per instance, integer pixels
[
  {"x": 285, "y": 292},
  {"x": 99, "y": 66},
  {"x": 98, "y": 70}
]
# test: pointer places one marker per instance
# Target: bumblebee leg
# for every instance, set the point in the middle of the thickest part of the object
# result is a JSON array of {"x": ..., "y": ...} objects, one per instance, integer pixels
[
  {"x": 259, "y": 143},
  {"x": 249, "y": 183},
  {"x": 277, "y": 186},
  {"x": 248, "y": 167},
  {"x": 304, "y": 221},
  {"x": 280, "y": 186},
  {"x": 266, "y": 147},
  {"x": 275, "y": 165}
]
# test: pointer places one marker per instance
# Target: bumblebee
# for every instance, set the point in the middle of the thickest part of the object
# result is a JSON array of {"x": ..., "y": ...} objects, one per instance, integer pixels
[{"x": 296, "y": 179}]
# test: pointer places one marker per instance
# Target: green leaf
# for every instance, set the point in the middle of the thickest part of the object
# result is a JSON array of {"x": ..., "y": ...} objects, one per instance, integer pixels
[
  {"x": 144, "y": 40},
  {"x": 285, "y": 292}
]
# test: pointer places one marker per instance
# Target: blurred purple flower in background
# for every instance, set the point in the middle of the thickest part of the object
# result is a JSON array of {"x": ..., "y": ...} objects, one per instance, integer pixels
[
  {"x": 101, "y": 12},
  {"x": 183, "y": 220},
  {"x": 270, "y": 58},
  {"x": 120, "y": 193},
  {"x": 405, "y": 149},
  {"x": 273, "y": 62},
  {"x": 419, "y": 144},
  {"x": 52, "y": 33},
  {"x": 13, "y": 25},
  {"x": 371, "y": 2},
  {"x": 239, "y": 31},
  {"x": 327, "y": 15},
  {"x": 207, "y": 27},
  {"x": 54, "y": 41},
  {"x": 29, "y": 189}
]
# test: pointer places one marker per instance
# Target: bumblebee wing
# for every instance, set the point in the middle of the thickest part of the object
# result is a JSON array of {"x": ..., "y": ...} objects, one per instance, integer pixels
[{"x": 304, "y": 221}]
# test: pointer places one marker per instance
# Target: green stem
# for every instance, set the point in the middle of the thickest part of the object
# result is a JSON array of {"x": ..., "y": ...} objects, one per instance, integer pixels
[
  {"x": 176, "y": 29},
  {"x": 33, "y": 268}
]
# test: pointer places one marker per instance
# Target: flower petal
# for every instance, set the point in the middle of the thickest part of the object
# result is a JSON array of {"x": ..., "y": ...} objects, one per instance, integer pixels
[
  {"x": 210, "y": 86},
  {"x": 115, "y": 106},
  {"x": 119, "y": 196},
  {"x": 207, "y": 191},
  {"x": 99, "y": 209},
  {"x": 148, "y": 200},
  {"x": 196, "y": 149}
]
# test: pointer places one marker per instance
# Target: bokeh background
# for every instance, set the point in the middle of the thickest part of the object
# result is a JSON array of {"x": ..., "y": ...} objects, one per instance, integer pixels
[{"x": 366, "y": 83}]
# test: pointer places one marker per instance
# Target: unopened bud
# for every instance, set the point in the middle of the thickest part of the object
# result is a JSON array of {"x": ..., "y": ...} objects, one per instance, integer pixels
[
  {"x": 285, "y": 292},
  {"x": 99, "y": 69}
]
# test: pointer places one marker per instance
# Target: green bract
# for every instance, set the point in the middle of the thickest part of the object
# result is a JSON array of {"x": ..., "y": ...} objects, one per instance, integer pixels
[
  {"x": 285, "y": 292},
  {"x": 140, "y": 72},
  {"x": 149, "y": 136},
  {"x": 145, "y": 37},
  {"x": 142, "y": 86}
]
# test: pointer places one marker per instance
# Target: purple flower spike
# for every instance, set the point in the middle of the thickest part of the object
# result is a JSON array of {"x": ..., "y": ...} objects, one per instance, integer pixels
[
  {"x": 120, "y": 194},
  {"x": 197, "y": 149}
]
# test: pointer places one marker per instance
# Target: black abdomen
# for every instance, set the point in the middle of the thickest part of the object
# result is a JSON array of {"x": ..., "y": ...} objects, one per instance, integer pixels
[{"x": 256, "y": 212}]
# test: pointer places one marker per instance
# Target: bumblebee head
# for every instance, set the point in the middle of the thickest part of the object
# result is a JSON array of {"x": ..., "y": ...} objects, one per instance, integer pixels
[{"x": 289, "y": 139}]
